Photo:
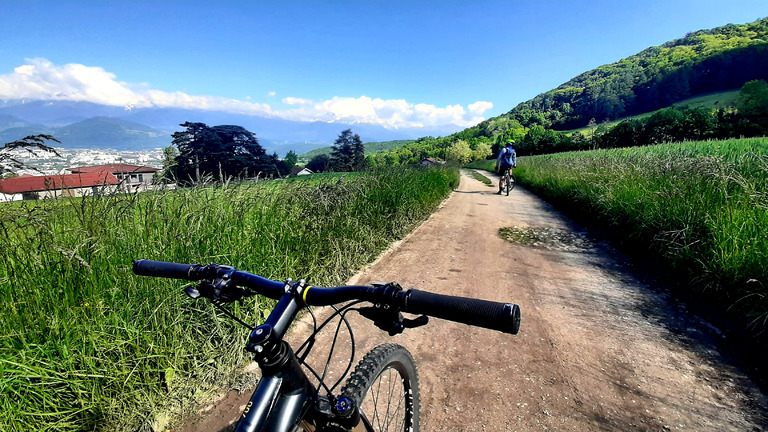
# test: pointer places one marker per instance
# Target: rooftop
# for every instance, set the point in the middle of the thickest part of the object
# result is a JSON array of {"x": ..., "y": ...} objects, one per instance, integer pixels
[{"x": 28, "y": 183}]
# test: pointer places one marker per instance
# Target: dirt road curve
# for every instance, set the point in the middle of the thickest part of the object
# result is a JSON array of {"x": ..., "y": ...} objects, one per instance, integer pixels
[{"x": 595, "y": 351}]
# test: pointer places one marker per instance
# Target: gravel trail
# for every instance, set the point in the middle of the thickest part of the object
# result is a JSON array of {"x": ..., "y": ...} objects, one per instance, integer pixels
[{"x": 599, "y": 349}]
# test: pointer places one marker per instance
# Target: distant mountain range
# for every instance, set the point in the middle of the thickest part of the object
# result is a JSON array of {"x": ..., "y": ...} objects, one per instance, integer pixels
[{"x": 89, "y": 125}]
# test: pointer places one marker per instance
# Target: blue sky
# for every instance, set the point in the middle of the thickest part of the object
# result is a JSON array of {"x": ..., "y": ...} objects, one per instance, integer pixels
[{"x": 396, "y": 63}]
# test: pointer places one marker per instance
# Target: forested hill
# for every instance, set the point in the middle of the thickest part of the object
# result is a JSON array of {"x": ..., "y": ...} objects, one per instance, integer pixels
[
  {"x": 731, "y": 58},
  {"x": 702, "y": 62}
]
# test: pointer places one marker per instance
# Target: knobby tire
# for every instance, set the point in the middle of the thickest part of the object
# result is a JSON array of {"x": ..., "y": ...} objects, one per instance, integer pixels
[{"x": 385, "y": 386}]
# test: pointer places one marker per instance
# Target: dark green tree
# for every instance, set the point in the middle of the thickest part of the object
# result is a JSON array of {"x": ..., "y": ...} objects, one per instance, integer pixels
[
  {"x": 348, "y": 152},
  {"x": 169, "y": 173},
  {"x": 625, "y": 134},
  {"x": 699, "y": 123},
  {"x": 220, "y": 152},
  {"x": 753, "y": 107},
  {"x": 287, "y": 164},
  {"x": 241, "y": 154},
  {"x": 579, "y": 141},
  {"x": 319, "y": 163},
  {"x": 665, "y": 125},
  {"x": 198, "y": 147}
]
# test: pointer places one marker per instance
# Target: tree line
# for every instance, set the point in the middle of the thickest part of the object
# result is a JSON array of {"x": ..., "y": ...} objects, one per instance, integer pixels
[
  {"x": 202, "y": 153},
  {"x": 749, "y": 118}
]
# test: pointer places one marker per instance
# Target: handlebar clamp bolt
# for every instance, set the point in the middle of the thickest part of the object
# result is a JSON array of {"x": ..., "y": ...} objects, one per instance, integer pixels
[{"x": 260, "y": 336}]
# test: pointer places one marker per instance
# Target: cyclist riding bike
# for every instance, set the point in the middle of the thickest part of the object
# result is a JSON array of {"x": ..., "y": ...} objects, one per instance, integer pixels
[{"x": 505, "y": 162}]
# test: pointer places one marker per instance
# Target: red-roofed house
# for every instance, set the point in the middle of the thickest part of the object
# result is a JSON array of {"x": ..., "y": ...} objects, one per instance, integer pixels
[
  {"x": 132, "y": 175},
  {"x": 29, "y": 187}
]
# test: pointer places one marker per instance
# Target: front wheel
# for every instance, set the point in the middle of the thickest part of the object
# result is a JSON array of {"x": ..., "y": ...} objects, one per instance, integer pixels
[{"x": 385, "y": 387}]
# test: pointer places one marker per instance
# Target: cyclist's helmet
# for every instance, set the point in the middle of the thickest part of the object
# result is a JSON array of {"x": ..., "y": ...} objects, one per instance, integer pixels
[{"x": 510, "y": 143}]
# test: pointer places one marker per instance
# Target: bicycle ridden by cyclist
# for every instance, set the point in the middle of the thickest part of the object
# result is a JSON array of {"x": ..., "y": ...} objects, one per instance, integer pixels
[{"x": 506, "y": 161}]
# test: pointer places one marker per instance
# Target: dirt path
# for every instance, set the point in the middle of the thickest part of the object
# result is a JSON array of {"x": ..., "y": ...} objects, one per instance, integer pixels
[{"x": 598, "y": 349}]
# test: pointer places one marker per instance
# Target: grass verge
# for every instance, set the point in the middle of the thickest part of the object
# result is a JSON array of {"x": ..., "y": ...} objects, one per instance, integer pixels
[
  {"x": 701, "y": 208},
  {"x": 86, "y": 345},
  {"x": 477, "y": 176}
]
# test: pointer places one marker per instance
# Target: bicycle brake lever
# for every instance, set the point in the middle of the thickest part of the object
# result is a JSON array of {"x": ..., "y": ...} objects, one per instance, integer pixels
[
  {"x": 416, "y": 322},
  {"x": 391, "y": 320},
  {"x": 192, "y": 292},
  {"x": 223, "y": 292}
]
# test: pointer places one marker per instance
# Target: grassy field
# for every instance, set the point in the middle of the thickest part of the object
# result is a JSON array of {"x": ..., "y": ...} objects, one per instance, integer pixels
[
  {"x": 86, "y": 345},
  {"x": 713, "y": 100},
  {"x": 701, "y": 207}
]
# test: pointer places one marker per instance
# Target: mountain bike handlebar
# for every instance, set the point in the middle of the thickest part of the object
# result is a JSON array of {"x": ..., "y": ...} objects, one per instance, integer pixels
[
  {"x": 504, "y": 317},
  {"x": 144, "y": 267}
]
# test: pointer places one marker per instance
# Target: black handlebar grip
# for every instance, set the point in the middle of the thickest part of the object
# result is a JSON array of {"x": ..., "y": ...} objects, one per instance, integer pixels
[
  {"x": 504, "y": 317},
  {"x": 164, "y": 269}
]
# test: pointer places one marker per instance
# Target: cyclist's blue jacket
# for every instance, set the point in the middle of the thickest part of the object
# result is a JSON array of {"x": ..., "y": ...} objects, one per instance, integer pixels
[{"x": 507, "y": 157}]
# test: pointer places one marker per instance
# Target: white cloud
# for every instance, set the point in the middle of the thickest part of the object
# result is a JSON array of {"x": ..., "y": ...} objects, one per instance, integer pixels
[
  {"x": 479, "y": 107},
  {"x": 392, "y": 113},
  {"x": 296, "y": 101},
  {"x": 42, "y": 80}
]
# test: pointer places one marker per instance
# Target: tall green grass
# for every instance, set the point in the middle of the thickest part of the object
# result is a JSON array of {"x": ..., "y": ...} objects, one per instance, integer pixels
[
  {"x": 701, "y": 207},
  {"x": 86, "y": 345}
]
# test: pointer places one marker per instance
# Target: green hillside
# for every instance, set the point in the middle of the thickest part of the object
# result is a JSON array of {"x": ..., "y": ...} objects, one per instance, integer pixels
[
  {"x": 725, "y": 99},
  {"x": 714, "y": 100},
  {"x": 370, "y": 148},
  {"x": 702, "y": 62}
]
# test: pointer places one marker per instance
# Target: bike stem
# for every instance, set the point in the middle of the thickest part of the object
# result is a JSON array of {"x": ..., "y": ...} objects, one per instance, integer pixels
[
  {"x": 284, "y": 382},
  {"x": 266, "y": 340},
  {"x": 284, "y": 390}
]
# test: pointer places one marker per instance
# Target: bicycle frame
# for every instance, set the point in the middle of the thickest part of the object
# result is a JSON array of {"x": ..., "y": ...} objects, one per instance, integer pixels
[
  {"x": 276, "y": 405},
  {"x": 284, "y": 395}
]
